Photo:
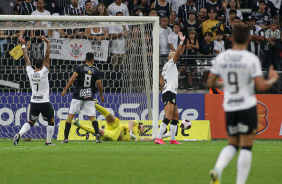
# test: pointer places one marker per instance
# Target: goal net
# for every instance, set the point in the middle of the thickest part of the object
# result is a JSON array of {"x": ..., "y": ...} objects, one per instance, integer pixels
[{"x": 125, "y": 50}]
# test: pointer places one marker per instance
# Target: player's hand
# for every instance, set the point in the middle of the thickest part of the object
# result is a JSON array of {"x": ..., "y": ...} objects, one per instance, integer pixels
[
  {"x": 102, "y": 98},
  {"x": 168, "y": 134},
  {"x": 181, "y": 37},
  {"x": 21, "y": 39},
  {"x": 45, "y": 40},
  {"x": 64, "y": 92},
  {"x": 272, "y": 74},
  {"x": 132, "y": 136}
]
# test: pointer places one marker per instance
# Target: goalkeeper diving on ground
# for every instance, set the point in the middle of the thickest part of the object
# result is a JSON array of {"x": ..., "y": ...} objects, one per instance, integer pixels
[{"x": 115, "y": 131}]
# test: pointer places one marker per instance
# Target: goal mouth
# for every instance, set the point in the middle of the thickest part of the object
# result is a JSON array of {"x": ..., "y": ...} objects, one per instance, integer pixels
[{"x": 126, "y": 50}]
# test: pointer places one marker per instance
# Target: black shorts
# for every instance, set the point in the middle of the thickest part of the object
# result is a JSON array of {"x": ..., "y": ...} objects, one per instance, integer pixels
[
  {"x": 45, "y": 109},
  {"x": 169, "y": 97},
  {"x": 242, "y": 122}
]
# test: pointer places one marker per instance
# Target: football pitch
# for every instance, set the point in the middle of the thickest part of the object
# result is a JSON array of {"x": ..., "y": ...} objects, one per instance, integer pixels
[{"x": 83, "y": 162}]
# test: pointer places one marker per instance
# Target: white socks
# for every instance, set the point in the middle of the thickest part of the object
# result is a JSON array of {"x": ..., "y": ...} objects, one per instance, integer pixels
[
  {"x": 173, "y": 129},
  {"x": 24, "y": 129},
  {"x": 162, "y": 130},
  {"x": 243, "y": 166},
  {"x": 226, "y": 154},
  {"x": 50, "y": 132}
]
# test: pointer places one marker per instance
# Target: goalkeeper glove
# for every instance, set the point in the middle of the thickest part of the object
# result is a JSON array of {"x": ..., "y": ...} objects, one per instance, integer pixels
[
  {"x": 167, "y": 134},
  {"x": 132, "y": 136}
]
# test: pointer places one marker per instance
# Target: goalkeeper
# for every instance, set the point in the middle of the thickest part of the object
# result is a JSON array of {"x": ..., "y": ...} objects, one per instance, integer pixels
[{"x": 115, "y": 131}]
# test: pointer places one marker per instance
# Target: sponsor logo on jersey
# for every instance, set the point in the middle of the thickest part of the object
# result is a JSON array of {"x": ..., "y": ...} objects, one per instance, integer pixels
[
  {"x": 37, "y": 97},
  {"x": 235, "y": 100},
  {"x": 75, "y": 48},
  {"x": 85, "y": 93}
]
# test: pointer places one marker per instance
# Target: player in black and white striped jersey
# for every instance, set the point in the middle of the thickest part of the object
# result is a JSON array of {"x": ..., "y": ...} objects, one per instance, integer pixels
[
  {"x": 27, "y": 7},
  {"x": 74, "y": 9}
]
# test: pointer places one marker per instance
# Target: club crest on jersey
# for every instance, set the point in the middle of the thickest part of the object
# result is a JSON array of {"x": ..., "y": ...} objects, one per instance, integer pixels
[{"x": 75, "y": 48}]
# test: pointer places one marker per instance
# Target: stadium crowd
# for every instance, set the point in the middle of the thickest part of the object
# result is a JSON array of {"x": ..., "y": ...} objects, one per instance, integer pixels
[{"x": 207, "y": 24}]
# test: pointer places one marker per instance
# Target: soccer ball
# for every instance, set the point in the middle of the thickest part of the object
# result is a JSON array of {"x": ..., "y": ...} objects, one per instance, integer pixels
[{"x": 186, "y": 124}]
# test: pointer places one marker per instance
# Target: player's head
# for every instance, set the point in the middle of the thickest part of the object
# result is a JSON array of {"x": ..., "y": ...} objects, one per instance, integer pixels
[
  {"x": 241, "y": 33},
  {"x": 141, "y": 127},
  {"x": 89, "y": 57},
  {"x": 39, "y": 63}
]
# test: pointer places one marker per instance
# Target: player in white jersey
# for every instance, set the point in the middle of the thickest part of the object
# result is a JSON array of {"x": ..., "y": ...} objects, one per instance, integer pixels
[
  {"x": 39, "y": 102},
  {"x": 169, "y": 85},
  {"x": 241, "y": 72}
]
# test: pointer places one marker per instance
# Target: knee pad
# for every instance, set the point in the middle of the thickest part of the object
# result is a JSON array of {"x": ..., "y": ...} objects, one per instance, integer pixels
[
  {"x": 174, "y": 122},
  {"x": 166, "y": 121}
]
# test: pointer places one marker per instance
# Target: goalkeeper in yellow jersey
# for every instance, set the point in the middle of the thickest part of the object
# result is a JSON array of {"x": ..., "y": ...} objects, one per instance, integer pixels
[{"x": 115, "y": 131}]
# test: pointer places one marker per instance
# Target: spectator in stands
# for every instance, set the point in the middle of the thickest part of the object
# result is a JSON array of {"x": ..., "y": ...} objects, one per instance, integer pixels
[
  {"x": 96, "y": 33},
  {"x": 175, "y": 4},
  {"x": 218, "y": 43},
  {"x": 262, "y": 17},
  {"x": 192, "y": 48},
  {"x": 226, "y": 2},
  {"x": 231, "y": 14},
  {"x": 153, "y": 12},
  {"x": 102, "y": 10},
  {"x": 191, "y": 23},
  {"x": 8, "y": 7},
  {"x": 172, "y": 18},
  {"x": 118, "y": 6},
  {"x": 228, "y": 32},
  {"x": 41, "y": 12},
  {"x": 56, "y": 33},
  {"x": 3, "y": 40},
  {"x": 211, "y": 25},
  {"x": 173, "y": 39},
  {"x": 74, "y": 9},
  {"x": 162, "y": 6},
  {"x": 203, "y": 15},
  {"x": 256, "y": 37},
  {"x": 206, "y": 46},
  {"x": 94, "y": 3},
  {"x": 272, "y": 36},
  {"x": 184, "y": 9},
  {"x": 137, "y": 11},
  {"x": 164, "y": 33},
  {"x": 61, "y": 4},
  {"x": 231, "y": 6},
  {"x": 89, "y": 8},
  {"x": 278, "y": 53},
  {"x": 217, "y": 6},
  {"x": 27, "y": 7},
  {"x": 51, "y": 6},
  {"x": 270, "y": 8},
  {"x": 117, "y": 52},
  {"x": 144, "y": 6}
]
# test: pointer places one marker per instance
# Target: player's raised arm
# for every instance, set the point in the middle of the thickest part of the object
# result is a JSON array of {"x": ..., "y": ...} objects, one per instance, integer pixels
[
  {"x": 69, "y": 84},
  {"x": 47, "y": 54},
  {"x": 26, "y": 58},
  {"x": 179, "y": 48}
]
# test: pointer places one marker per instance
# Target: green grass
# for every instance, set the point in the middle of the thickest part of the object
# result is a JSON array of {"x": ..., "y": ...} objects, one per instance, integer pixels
[{"x": 86, "y": 162}]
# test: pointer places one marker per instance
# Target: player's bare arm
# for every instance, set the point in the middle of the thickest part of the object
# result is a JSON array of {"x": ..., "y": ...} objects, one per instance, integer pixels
[
  {"x": 213, "y": 81},
  {"x": 69, "y": 84},
  {"x": 100, "y": 89},
  {"x": 47, "y": 54},
  {"x": 162, "y": 82},
  {"x": 179, "y": 48},
  {"x": 262, "y": 84},
  {"x": 26, "y": 58}
]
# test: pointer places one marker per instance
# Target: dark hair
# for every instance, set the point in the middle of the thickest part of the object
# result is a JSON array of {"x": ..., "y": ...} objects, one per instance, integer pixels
[
  {"x": 119, "y": 12},
  {"x": 208, "y": 33},
  {"x": 88, "y": 1},
  {"x": 241, "y": 33},
  {"x": 89, "y": 56},
  {"x": 139, "y": 124},
  {"x": 262, "y": 1},
  {"x": 233, "y": 11},
  {"x": 219, "y": 32},
  {"x": 153, "y": 9},
  {"x": 236, "y": 17},
  {"x": 176, "y": 24},
  {"x": 164, "y": 17},
  {"x": 39, "y": 63}
]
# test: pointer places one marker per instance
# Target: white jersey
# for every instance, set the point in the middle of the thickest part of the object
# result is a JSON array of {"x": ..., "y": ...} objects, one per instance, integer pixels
[
  {"x": 39, "y": 84},
  {"x": 170, "y": 74},
  {"x": 237, "y": 68}
]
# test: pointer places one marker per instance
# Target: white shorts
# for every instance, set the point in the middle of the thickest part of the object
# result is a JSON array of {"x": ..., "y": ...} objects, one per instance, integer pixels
[{"x": 87, "y": 106}]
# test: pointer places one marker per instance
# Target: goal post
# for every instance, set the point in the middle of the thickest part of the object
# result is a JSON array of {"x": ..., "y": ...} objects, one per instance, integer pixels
[{"x": 137, "y": 82}]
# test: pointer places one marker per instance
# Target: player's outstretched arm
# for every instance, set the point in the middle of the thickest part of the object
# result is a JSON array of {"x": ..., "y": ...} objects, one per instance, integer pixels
[
  {"x": 179, "y": 48},
  {"x": 100, "y": 89},
  {"x": 69, "y": 84},
  {"x": 263, "y": 85},
  {"x": 47, "y": 54},
  {"x": 130, "y": 129},
  {"x": 26, "y": 58}
]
